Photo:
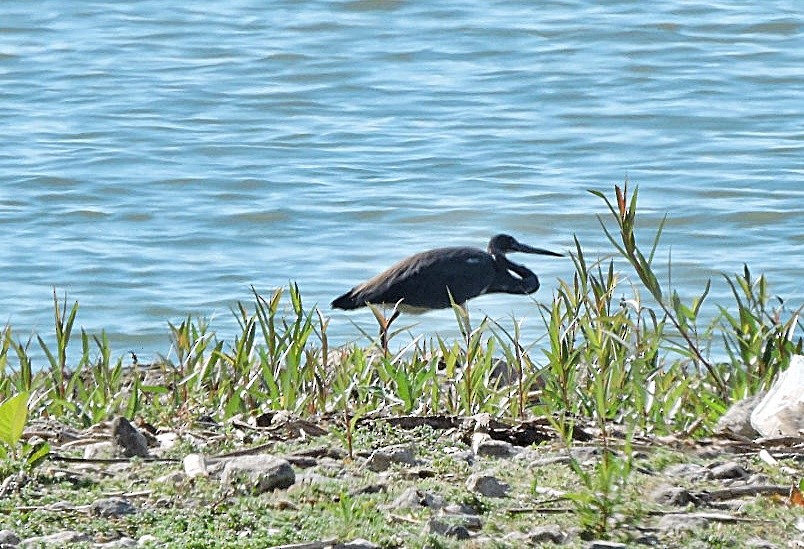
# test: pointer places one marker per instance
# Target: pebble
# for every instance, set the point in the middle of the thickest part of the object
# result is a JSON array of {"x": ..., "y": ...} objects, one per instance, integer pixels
[
  {"x": 447, "y": 529},
  {"x": 382, "y": 458},
  {"x": 680, "y": 523},
  {"x": 117, "y": 544},
  {"x": 549, "y": 533},
  {"x": 111, "y": 507},
  {"x": 59, "y": 539},
  {"x": 688, "y": 471},
  {"x": 672, "y": 495},
  {"x": 100, "y": 450},
  {"x": 148, "y": 539},
  {"x": 129, "y": 438},
  {"x": 262, "y": 473},
  {"x": 484, "y": 445},
  {"x": 412, "y": 498},
  {"x": 757, "y": 543},
  {"x": 737, "y": 419},
  {"x": 729, "y": 470},
  {"x": 195, "y": 466},
  {"x": 487, "y": 485},
  {"x": 358, "y": 543},
  {"x": 7, "y": 537},
  {"x": 605, "y": 544}
]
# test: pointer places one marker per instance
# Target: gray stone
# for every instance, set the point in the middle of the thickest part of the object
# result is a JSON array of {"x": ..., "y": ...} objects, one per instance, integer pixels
[
  {"x": 737, "y": 419},
  {"x": 605, "y": 544},
  {"x": 59, "y": 539},
  {"x": 442, "y": 528},
  {"x": 121, "y": 543},
  {"x": 412, "y": 498},
  {"x": 586, "y": 454},
  {"x": 128, "y": 437},
  {"x": 101, "y": 450},
  {"x": 487, "y": 485},
  {"x": 688, "y": 471},
  {"x": 484, "y": 445},
  {"x": 358, "y": 543},
  {"x": 549, "y": 533},
  {"x": 672, "y": 495},
  {"x": 680, "y": 523},
  {"x": 7, "y": 537},
  {"x": 260, "y": 473},
  {"x": 459, "y": 509},
  {"x": 382, "y": 458},
  {"x": 758, "y": 543},
  {"x": 729, "y": 470},
  {"x": 111, "y": 507},
  {"x": 148, "y": 539}
]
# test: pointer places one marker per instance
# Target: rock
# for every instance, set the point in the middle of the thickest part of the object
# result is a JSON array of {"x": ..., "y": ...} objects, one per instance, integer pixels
[
  {"x": 758, "y": 543},
  {"x": 484, "y": 445},
  {"x": 651, "y": 540},
  {"x": 781, "y": 411},
  {"x": 7, "y": 537},
  {"x": 358, "y": 543},
  {"x": 459, "y": 509},
  {"x": 549, "y": 533},
  {"x": 413, "y": 498},
  {"x": 128, "y": 437},
  {"x": 167, "y": 440},
  {"x": 260, "y": 473},
  {"x": 117, "y": 544},
  {"x": 728, "y": 470},
  {"x": 148, "y": 539},
  {"x": 680, "y": 523},
  {"x": 382, "y": 458},
  {"x": 195, "y": 466},
  {"x": 688, "y": 471},
  {"x": 457, "y": 531},
  {"x": 586, "y": 454},
  {"x": 111, "y": 507},
  {"x": 605, "y": 544},
  {"x": 173, "y": 477},
  {"x": 487, "y": 485},
  {"x": 59, "y": 539},
  {"x": 101, "y": 450},
  {"x": 672, "y": 495},
  {"x": 737, "y": 419}
]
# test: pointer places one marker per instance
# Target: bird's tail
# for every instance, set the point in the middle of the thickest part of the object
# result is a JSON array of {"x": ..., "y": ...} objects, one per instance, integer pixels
[{"x": 347, "y": 301}]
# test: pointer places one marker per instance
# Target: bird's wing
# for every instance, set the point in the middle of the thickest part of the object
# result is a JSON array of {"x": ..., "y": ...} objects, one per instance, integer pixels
[{"x": 422, "y": 279}]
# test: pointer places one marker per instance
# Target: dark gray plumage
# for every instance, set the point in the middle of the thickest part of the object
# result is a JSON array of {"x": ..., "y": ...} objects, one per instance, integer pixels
[{"x": 425, "y": 280}]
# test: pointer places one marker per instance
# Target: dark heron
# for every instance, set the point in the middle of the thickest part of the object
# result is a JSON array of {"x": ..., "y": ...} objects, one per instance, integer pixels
[{"x": 427, "y": 280}]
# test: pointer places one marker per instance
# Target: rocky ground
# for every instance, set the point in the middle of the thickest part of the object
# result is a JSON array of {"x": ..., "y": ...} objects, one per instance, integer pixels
[{"x": 281, "y": 481}]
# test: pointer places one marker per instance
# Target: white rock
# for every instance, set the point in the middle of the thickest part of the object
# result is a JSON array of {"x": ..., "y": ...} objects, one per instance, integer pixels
[
  {"x": 148, "y": 539},
  {"x": 100, "y": 450},
  {"x": 59, "y": 539},
  {"x": 195, "y": 466},
  {"x": 781, "y": 411}
]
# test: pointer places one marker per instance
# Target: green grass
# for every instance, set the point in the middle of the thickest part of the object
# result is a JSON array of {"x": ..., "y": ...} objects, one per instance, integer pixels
[{"x": 621, "y": 348}]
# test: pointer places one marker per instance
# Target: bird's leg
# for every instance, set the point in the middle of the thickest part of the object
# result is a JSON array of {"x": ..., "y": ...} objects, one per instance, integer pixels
[{"x": 385, "y": 328}]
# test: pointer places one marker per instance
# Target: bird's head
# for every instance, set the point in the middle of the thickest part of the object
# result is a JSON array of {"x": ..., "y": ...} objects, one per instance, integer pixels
[{"x": 502, "y": 244}]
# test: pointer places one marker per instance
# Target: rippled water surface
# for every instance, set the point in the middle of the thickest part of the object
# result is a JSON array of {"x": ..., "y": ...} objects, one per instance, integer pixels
[{"x": 158, "y": 158}]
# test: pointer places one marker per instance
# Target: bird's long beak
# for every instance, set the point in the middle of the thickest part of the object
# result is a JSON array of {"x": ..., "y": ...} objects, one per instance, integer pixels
[{"x": 524, "y": 248}]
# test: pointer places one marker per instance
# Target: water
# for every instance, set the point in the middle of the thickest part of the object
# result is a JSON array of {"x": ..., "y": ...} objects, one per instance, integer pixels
[{"x": 159, "y": 158}]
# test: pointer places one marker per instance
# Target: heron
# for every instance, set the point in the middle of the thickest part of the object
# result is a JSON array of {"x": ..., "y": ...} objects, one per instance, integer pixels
[{"x": 437, "y": 278}]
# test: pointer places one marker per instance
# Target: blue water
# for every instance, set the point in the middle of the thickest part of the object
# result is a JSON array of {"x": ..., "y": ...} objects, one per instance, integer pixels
[{"x": 159, "y": 158}]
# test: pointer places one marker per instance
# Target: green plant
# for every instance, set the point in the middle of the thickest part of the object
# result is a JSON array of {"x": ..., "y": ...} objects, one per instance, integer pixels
[
  {"x": 758, "y": 341},
  {"x": 13, "y": 418}
]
